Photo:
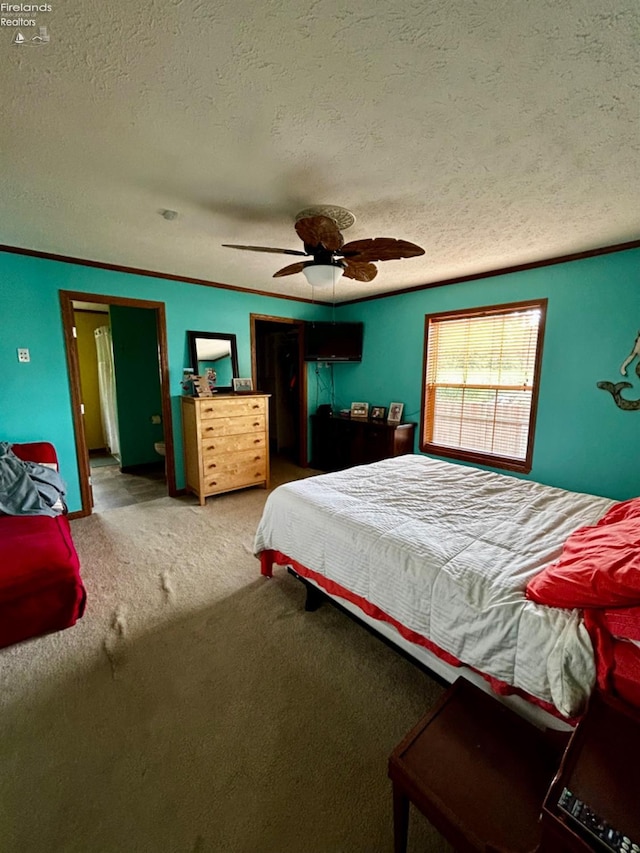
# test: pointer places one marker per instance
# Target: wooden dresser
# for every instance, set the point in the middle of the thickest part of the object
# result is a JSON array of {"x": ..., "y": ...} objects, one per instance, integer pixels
[
  {"x": 339, "y": 442},
  {"x": 226, "y": 443}
]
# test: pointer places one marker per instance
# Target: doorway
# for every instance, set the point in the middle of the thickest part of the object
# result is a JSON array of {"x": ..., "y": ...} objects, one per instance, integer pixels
[
  {"x": 130, "y": 445},
  {"x": 279, "y": 369}
]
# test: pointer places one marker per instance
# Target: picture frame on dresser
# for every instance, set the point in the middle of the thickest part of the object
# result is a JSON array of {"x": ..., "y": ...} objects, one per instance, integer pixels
[
  {"x": 242, "y": 385},
  {"x": 395, "y": 413},
  {"x": 359, "y": 410}
]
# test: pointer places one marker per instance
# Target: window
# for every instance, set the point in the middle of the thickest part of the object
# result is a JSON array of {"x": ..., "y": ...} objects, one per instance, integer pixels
[{"x": 480, "y": 384}]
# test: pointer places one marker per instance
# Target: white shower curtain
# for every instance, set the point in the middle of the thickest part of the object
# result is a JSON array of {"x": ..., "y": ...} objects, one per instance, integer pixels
[{"x": 107, "y": 387}]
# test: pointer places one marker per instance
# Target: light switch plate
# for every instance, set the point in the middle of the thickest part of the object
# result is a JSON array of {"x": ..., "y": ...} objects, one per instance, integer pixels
[{"x": 23, "y": 354}]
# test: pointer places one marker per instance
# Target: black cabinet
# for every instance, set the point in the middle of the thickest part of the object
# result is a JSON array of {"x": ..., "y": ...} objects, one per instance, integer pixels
[{"x": 338, "y": 442}]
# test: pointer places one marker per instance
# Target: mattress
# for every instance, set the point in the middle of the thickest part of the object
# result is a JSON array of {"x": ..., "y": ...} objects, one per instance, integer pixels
[{"x": 447, "y": 550}]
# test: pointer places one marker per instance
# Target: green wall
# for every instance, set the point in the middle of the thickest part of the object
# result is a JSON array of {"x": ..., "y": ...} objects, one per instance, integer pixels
[
  {"x": 138, "y": 395},
  {"x": 35, "y": 401},
  {"x": 584, "y": 442}
]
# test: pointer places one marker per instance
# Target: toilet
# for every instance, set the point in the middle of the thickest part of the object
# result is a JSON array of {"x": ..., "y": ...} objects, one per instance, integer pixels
[{"x": 161, "y": 450}]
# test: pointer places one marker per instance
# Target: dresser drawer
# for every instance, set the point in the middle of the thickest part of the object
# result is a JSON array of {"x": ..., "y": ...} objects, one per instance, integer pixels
[
  {"x": 225, "y": 462},
  {"x": 226, "y": 443},
  {"x": 232, "y": 408},
  {"x": 232, "y": 426},
  {"x": 235, "y": 477},
  {"x": 230, "y": 443}
]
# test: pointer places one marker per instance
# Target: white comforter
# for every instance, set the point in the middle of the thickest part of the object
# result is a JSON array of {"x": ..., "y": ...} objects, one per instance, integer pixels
[{"x": 447, "y": 550}]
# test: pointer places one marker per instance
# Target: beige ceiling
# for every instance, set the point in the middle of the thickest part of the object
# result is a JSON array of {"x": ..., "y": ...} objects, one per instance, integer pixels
[{"x": 490, "y": 132}]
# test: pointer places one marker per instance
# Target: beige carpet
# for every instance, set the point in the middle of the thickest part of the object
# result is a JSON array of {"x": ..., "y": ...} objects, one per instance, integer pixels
[{"x": 197, "y": 707}]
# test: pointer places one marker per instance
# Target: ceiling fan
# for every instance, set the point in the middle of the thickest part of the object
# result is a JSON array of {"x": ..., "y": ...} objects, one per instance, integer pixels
[{"x": 319, "y": 229}]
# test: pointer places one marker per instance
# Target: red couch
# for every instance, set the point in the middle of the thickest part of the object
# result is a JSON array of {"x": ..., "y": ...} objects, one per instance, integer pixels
[{"x": 40, "y": 585}]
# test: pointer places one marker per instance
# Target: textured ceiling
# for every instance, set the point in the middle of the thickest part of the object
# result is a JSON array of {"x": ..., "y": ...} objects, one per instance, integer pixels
[{"x": 490, "y": 132}]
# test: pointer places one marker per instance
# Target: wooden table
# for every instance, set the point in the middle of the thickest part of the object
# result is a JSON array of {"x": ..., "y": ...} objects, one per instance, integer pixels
[
  {"x": 477, "y": 771},
  {"x": 600, "y": 767}
]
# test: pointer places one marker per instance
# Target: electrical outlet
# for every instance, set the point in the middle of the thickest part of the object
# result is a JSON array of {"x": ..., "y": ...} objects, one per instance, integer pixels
[{"x": 23, "y": 354}]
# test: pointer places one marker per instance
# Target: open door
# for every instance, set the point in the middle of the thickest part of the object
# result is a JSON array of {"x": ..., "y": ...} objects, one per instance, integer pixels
[
  {"x": 67, "y": 299},
  {"x": 278, "y": 369}
]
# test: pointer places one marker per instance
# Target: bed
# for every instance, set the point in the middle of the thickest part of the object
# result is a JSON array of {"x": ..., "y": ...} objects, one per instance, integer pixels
[{"x": 451, "y": 564}]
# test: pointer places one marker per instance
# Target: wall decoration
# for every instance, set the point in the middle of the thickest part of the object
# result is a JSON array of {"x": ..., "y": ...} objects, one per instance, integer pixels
[{"x": 616, "y": 389}]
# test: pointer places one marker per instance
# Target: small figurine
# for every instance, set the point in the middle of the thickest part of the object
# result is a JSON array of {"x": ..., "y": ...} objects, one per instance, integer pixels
[{"x": 212, "y": 378}]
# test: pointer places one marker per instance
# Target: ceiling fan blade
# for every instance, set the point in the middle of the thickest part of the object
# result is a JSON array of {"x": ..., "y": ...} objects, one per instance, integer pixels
[
  {"x": 380, "y": 249},
  {"x": 359, "y": 271},
  {"x": 267, "y": 249},
  {"x": 292, "y": 269},
  {"x": 320, "y": 231}
]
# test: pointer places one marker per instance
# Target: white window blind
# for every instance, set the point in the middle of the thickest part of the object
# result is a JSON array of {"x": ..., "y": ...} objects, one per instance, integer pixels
[{"x": 479, "y": 381}]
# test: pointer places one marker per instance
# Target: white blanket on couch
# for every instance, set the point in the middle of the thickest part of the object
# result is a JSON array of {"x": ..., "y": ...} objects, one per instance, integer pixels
[{"x": 447, "y": 551}]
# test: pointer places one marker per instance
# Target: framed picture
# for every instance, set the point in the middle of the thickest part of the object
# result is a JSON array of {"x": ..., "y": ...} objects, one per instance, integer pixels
[
  {"x": 359, "y": 410},
  {"x": 243, "y": 386},
  {"x": 378, "y": 413},
  {"x": 395, "y": 413}
]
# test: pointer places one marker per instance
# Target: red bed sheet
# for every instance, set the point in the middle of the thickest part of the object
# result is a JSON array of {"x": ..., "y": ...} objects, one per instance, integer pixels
[
  {"x": 268, "y": 558},
  {"x": 612, "y": 632}
]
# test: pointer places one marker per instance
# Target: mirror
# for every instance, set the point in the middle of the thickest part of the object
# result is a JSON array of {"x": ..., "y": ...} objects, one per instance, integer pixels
[{"x": 210, "y": 350}]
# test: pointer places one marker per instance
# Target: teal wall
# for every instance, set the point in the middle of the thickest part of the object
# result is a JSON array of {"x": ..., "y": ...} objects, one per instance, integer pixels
[
  {"x": 137, "y": 373},
  {"x": 584, "y": 442},
  {"x": 35, "y": 401}
]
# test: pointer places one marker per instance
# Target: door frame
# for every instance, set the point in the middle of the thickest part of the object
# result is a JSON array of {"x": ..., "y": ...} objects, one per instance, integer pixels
[
  {"x": 302, "y": 373},
  {"x": 67, "y": 297}
]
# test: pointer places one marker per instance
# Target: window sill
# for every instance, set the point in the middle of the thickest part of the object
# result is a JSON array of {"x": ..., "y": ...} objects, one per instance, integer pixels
[{"x": 521, "y": 466}]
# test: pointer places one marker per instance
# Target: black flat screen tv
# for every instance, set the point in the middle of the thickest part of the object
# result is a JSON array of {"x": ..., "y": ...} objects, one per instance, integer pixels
[{"x": 333, "y": 341}]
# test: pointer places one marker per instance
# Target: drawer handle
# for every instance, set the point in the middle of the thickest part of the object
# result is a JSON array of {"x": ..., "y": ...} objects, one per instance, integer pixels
[
  {"x": 209, "y": 409},
  {"x": 257, "y": 424},
  {"x": 257, "y": 440},
  {"x": 208, "y": 429},
  {"x": 210, "y": 447},
  {"x": 212, "y": 465},
  {"x": 258, "y": 474},
  {"x": 213, "y": 483},
  {"x": 256, "y": 406},
  {"x": 257, "y": 458}
]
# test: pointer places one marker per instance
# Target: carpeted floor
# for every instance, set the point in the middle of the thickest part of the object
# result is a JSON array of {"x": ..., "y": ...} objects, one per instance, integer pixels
[{"x": 197, "y": 707}]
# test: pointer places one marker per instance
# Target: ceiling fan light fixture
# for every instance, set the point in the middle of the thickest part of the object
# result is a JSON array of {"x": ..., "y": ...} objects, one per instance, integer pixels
[{"x": 322, "y": 275}]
